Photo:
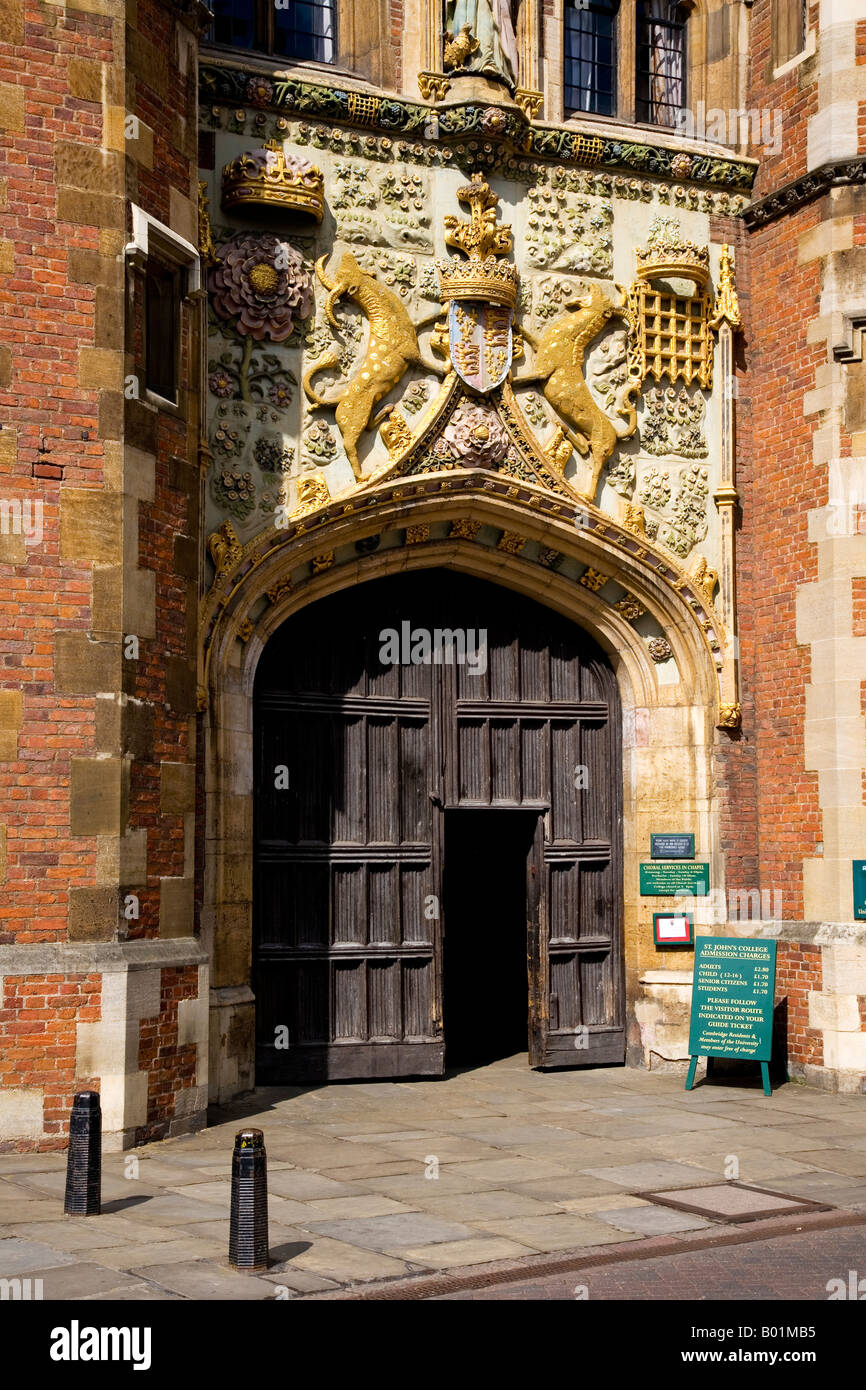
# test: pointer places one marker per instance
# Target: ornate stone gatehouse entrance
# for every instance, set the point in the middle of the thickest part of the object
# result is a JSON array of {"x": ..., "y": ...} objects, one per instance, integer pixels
[{"x": 346, "y": 788}]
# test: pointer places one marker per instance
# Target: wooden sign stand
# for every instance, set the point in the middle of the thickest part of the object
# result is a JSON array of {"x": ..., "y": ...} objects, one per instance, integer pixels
[{"x": 733, "y": 991}]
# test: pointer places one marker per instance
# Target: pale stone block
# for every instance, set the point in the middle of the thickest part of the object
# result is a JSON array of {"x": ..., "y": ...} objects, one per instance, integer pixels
[
  {"x": 824, "y": 615},
  {"x": 190, "y": 1100},
  {"x": 143, "y": 994},
  {"x": 832, "y": 134},
  {"x": 139, "y": 473},
  {"x": 844, "y": 969},
  {"x": 139, "y": 601},
  {"x": 845, "y": 830},
  {"x": 21, "y": 1112},
  {"x": 834, "y": 13},
  {"x": 11, "y": 710},
  {"x": 822, "y": 399},
  {"x": 834, "y": 742},
  {"x": 100, "y": 369},
  {"x": 99, "y": 1047},
  {"x": 845, "y": 1051},
  {"x": 846, "y": 84},
  {"x": 837, "y": 1012},
  {"x": 841, "y": 787},
  {"x": 839, "y": 696},
  {"x": 90, "y": 525},
  {"x": 827, "y": 890},
  {"x": 183, "y": 216},
  {"x": 837, "y": 235},
  {"x": 670, "y": 726},
  {"x": 819, "y": 330},
  {"x": 11, "y": 107},
  {"x": 123, "y": 1097},
  {"x": 176, "y": 906},
  {"x": 829, "y": 374},
  {"x": 177, "y": 788}
]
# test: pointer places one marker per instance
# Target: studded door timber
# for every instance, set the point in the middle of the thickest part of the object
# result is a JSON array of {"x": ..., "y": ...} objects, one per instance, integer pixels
[{"x": 357, "y": 762}]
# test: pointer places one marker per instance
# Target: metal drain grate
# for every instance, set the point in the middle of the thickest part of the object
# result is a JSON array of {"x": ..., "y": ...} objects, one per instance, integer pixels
[{"x": 732, "y": 1201}]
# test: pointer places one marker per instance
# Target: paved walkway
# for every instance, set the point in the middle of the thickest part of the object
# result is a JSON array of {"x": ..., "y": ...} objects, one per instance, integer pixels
[{"x": 380, "y": 1181}]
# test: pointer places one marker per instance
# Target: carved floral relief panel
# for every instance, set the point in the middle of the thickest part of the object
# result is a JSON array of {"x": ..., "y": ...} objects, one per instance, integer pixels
[{"x": 329, "y": 349}]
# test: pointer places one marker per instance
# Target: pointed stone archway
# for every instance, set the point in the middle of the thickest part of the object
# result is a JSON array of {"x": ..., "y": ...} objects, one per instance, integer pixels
[{"x": 654, "y": 622}]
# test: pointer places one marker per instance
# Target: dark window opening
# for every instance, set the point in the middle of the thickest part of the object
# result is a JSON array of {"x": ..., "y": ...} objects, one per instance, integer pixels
[
  {"x": 590, "y": 57},
  {"x": 302, "y": 29},
  {"x": 162, "y": 289},
  {"x": 661, "y": 62}
]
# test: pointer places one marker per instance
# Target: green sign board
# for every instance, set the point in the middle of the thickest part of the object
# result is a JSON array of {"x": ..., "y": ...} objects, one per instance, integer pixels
[
  {"x": 732, "y": 1001},
  {"x": 860, "y": 890},
  {"x": 664, "y": 880},
  {"x": 672, "y": 846}
]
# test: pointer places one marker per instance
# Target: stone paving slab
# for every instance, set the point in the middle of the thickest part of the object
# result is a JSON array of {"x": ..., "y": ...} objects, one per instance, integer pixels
[
  {"x": 132, "y": 1256},
  {"x": 479, "y": 1206},
  {"x": 14, "y": 1209},
  {"x": 529, "y": 1164},
  {"x": 305, "y": 1187},
  {"x": 562, "y": 1231},
  {"x": 346, "y": 1263},
  {"x": 171, "y": 1209},
  {"x": 81, "y": 1280},
  {"x": 14, "y": 1164},
  {"x": 476, "y": 1251},
  {"x": 836, "y": 1160},
  {"x": 19, "y": 1256},
  {"x": 652, "y": 1221},
  {"x": 639, "y": 1176},
  {"x": 204, "y": 1279},
  {"x": 386, "y": 1232}
]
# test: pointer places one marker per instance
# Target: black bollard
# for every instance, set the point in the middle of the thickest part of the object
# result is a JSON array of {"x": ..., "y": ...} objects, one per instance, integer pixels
[
  {"x": 84, "y": 1158},
  {"x": 248, "y": 1234}
]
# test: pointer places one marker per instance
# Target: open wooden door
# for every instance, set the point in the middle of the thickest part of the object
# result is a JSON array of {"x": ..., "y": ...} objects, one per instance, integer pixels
[{"x": 540, "y": 730}]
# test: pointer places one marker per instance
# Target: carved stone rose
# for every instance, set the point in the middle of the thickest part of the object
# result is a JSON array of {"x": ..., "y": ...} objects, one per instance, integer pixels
[
  {"x": 261, "y": 283},
  {"x": 476, "y": 435}
]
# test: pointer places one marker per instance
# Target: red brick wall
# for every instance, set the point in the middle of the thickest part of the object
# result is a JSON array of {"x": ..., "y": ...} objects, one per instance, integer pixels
[
  {"x": 781, "y": 486},
  {"x": 57, "y": 275},
  {"x": 48, "y": 315},
  {"x": 38, "y": 1018},
  {"x": 798, "y": 973},
  {"x": 170, "y": 1068},
  {"x": 795, "y": 95}
]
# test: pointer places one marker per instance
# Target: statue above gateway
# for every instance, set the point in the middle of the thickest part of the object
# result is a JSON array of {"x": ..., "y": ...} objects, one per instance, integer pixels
[{"x": 480, "y": 38}]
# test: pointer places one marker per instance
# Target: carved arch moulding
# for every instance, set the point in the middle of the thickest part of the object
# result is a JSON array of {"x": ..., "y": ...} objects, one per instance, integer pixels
[{"x": 650, "y": 615}]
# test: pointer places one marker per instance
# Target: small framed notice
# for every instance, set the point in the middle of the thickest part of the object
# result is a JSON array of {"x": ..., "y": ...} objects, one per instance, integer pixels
[
  {"x": 860, "y": 890},
  {"x": 673, "y": 929},
  {"x": 670, "y": 846}
]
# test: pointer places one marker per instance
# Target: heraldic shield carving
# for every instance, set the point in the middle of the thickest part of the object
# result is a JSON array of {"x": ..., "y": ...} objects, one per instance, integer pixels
[{"x": 480, "y": 291}]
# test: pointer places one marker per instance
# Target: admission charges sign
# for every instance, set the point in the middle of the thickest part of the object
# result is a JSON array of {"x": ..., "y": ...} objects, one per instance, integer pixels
[{"x": 732, "y": 1001}]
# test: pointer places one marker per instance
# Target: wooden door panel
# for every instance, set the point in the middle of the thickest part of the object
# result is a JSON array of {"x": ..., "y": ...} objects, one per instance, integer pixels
[{"x": 348, "y": 860}]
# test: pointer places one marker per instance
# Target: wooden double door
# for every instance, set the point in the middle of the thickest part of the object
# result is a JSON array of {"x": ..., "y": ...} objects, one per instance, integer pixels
[{"x": 437, "y": 835}]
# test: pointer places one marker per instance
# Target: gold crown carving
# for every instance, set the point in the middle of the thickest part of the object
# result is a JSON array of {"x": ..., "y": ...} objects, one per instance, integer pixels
[
  {"x": 667, "y": 253},
  {"x": 266, "y": 178},
  {"x": 494, "y": 282},
  {"x": 482, "y": 276}
]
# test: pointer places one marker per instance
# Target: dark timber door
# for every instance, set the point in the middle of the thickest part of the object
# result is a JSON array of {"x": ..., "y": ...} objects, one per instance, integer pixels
[{"x": 361, "y": 766}]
